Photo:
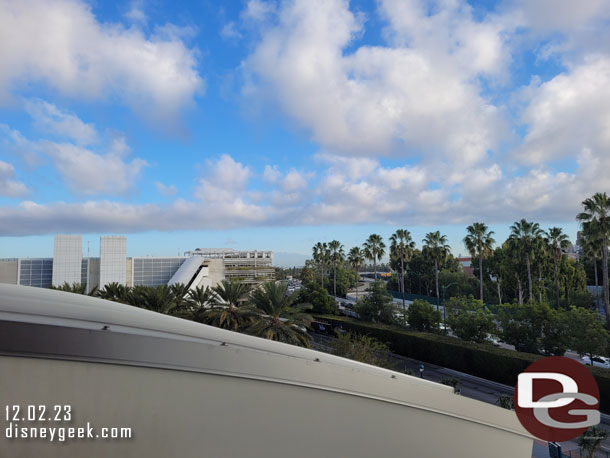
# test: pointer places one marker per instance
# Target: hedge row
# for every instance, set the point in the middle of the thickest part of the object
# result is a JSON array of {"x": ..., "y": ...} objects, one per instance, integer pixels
[{"x": 483, "y": 360}]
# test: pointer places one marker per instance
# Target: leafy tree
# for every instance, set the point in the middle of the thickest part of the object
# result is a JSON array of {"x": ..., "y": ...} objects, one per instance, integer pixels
[
  {"x": 479, "y": 243},
  {"x": 596, "y": 219},
  {"x": 526, "y": 235},
  {"x": 534, "y": 327},
  {"x": 114, "y": 292},
  {"x": 346, "y": 279},
  {"x": 280, "y": 318},
  {"x": 469, "y": 319},
  {"x": 436, "y": 248},
  {"x": 422, "y": 316},
  {"x": 374, "y": 249},
  {"x": 181, "y": 305},
  {"x": 401, "y": 249},
  {"x": 159, "y": 299},
  {"x": 558, "y": 241},
  {"x": 377, "y": 306},
  {"x": 336, "y": 258},
  {"x": 321, "y": 302},
  {"x": 361, "y": 348},
  {"x": 587, "y": 333}
]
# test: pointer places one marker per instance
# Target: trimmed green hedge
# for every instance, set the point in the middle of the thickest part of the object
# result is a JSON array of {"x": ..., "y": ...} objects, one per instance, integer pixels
[{"x": 483, "y": 360}]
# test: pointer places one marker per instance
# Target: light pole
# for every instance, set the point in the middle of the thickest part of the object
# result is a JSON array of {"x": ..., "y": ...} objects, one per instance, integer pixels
[{"x": 444, "y": 288}]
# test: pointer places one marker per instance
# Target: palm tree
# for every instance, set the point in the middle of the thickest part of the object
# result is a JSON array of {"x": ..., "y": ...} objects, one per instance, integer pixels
[
  {"x": 591, "y": 244},
  {"x": 114, "y": 292},
  {"x": 558, "y": 241},
  {"x": 227, "y": 310},
  {"x": 591, "y": 439},
  {"x": 526, "y": 235},
  {"x": 76, "y": 288},
  {"x": 374, "y": 249},
  {"x": 279, "y": 318},
  {"x": 180, "y": 292},
  {"x": 596, "y": 218},
  {"x": 159, "y": 299},
  {"x": 320, "y": 256},
  {"x": 198, "y": 300},
  {"x": 479, "y": 242},
  {"x": 356, "y": 259},
  {"x": 435, "y": 247},
  {"x": 336, "y": 257},
  {"x": 402, "y": 248}
]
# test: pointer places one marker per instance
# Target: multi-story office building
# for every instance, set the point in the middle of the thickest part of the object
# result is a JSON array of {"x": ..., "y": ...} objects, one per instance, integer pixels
[
  {"x": 67, "y": 260},
  {"x": 200, "y": 267}
]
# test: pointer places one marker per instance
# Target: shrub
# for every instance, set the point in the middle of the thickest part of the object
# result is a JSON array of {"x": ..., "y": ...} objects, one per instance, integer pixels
[
  {"x": 422, "y": 316},
  {"x": 469, "y": 319}
]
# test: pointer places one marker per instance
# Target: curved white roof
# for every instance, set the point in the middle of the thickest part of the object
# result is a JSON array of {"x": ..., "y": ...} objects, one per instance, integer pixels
[{"x": 241, "y": 355}]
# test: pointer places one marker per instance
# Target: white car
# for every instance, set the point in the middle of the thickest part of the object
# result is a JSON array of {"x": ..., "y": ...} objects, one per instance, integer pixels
[{"x": 598, "y": 361}]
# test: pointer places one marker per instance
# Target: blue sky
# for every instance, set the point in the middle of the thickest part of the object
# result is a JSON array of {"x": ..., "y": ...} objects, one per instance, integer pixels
[{"x": 277, "y": 124}]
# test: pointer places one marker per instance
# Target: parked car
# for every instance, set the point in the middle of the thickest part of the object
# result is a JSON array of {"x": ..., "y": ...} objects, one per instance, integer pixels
[{"x": 598, "y": 361}]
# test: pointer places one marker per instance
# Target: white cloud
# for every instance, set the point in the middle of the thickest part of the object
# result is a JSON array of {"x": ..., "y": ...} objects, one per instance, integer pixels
[
  {"x": 48, "y": 118},
  {"x": 230, "y": 31},
  {"x": 9, "y": 186},
  {"x": 401, "y": 99},
  {"x": 258, "y": 10},
  {"x": 271, "y": 174},
  {"x": 84, "y": 58},
  {"x": 166, "y": 190}
]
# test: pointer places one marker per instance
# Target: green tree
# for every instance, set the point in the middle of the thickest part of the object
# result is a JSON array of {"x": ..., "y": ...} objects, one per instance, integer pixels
[
  {"x": 469, "y": 319},
  {"x": 280, "y": 318},
  {"x": 336, "y": 258},
  {"x": 374, "y": 249},
  {"x": 422, "y": 316},
  {"x": 321, "y": 302},
  {"x": 592, "y": 247},
  {"x": 479, "y": 243},
  {"x": 587, "y": 333},
  {"x": 526, "y": 235},
  {"x": 401, "y": 249},
  {"x": 377, "y": 306},
  {"x": 558, "y": 242},
  {"x": 356, "y": 260},
  {"x": 198, "y": 300},
  {"x": 76, "y": 288},
  {"x": 596, "y": 219},
  {"x": 114, "y": 292},
  {"x": 227, "y": 309},
  {"x": 321, "y": 256},
  {"x": 361, "y": 348},
  {"x": 436, "y": 248}
]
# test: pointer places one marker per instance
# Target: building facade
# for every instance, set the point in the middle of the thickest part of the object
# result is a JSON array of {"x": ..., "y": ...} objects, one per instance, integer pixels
[{"x": 200, "y": 267}]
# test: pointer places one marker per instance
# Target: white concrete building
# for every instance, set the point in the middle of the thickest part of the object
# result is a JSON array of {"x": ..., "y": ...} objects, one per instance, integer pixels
[
  {"x": 67, "y": 259},
  {"x": 113, "y": 259}
]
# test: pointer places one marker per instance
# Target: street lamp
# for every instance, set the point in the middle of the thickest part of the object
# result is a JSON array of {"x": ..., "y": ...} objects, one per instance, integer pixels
[{"x": 421, "y": 370}]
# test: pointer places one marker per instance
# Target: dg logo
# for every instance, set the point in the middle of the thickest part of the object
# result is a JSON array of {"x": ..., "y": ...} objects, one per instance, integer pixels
[{"x": 557, "y": 399}]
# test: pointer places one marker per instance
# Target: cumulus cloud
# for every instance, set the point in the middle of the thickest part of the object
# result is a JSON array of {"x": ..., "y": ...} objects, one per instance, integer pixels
[
  {"x": 82, "y": 57},
  {"x": 9, "y": 186},
  {"x": 50, "y": 119},
  {"x": 166, "y": 190},
  {"x": 418, "y": 94}
]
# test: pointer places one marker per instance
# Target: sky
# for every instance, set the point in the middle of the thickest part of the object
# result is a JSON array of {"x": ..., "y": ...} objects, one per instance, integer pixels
[{"x": 273, "y": 125}]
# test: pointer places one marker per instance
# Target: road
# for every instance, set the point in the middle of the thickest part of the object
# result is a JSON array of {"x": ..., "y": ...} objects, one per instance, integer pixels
[{"x": 471, "y": 386}]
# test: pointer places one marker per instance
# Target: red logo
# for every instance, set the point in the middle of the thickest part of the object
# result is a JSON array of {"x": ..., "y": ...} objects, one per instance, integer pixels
[{"x": 557, "y": 399}]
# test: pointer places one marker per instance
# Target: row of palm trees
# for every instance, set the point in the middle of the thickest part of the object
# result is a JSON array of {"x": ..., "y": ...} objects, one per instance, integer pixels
[
  {"x": 266, "y": 311},
  {"x": 525, "y": 237}
]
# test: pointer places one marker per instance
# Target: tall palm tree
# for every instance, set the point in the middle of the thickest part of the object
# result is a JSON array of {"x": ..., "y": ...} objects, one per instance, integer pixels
[
  {"x": 435, "y": 247},
  {"x": 356, "y": 259},
  {"x": 374, "y": 249},
  {"x": 526, "y": 235},
  {"x": 479, "y": 242},
  {"x": 279, "y": 318},
  {"x": 596, "y": 217},
  {"x": 320, "y": 256},
  {"x": 227, "y": 308},
  {"x": 402, "y": 248},
  {"x": 336, "y": 257},
  {"x": 558, "y": 241},
  {"x": 591, "y": 244}
]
